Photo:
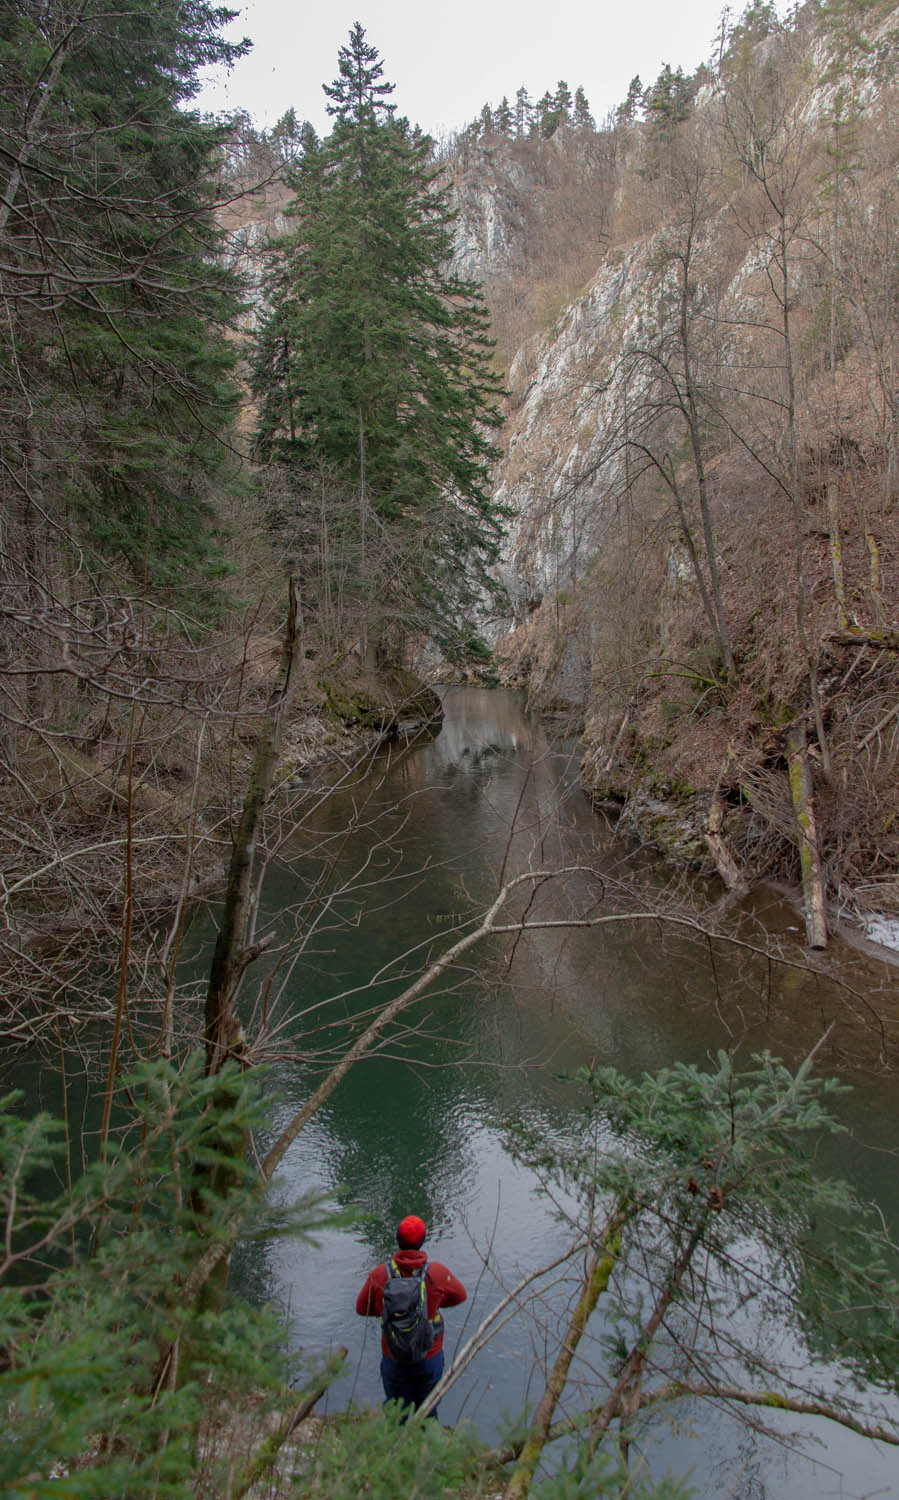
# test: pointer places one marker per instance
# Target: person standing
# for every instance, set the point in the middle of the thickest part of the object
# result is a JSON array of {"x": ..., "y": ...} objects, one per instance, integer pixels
[{"x": 405, "y": 1379}]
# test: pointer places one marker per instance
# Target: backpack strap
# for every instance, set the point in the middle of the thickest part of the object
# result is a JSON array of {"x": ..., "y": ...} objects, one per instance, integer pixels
[
  {"x": 437, "y": 1320},
  {"x": 392, "y": 1269}
]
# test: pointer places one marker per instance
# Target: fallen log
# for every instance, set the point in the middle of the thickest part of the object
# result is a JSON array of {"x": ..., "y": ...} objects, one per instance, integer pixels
[
  {"x": 725, "y": 863},
  {"x": 878, "y": 639}
]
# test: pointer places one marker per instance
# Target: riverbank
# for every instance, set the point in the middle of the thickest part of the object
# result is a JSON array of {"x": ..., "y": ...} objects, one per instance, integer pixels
[
  {"x": 715, "y": 793},
  {"x": 111, "y": 831},
  {"x": 425, "y": 1122}
]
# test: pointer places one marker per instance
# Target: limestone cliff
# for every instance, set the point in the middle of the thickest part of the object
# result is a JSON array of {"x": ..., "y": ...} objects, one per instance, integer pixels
[
  {"x": 701, "y": 450},
  {"x": 697, "y": 325}
]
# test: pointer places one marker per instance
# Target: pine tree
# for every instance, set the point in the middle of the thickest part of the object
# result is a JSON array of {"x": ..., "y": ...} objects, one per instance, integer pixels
[
  {"x": 92, "y": 1289},
  {"x": 758, "y": 21},
  {"x": 626, "y": 112},
  {"x": 562, "y": 99},
  {"x": 523, "y": 111},
  {"x": 669, "y": 100},
  {"x": 373, "y": 361},
  {"x": 358, "y": 94},
  {"x": 860, "y": 46},
  {"x": 582, "y": 116},
  {"x": 693, "y": 1193},
  {"x": 291, "y": 137},
  {"x": 548, "y": 115},
  {"x": 502, "y": 119}
]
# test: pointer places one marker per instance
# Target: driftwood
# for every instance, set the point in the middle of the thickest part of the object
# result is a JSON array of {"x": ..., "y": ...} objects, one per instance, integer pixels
[
  {"x": 725, "y": 863},
  {"x": 809, "y": 853}
]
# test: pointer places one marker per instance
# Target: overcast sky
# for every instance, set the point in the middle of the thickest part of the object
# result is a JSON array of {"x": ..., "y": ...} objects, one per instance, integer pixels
[{"x": 448, "y": 60}]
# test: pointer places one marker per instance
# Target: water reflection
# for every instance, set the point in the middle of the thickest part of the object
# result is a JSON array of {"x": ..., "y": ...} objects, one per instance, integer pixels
[{"x": 419, "y": 1127}]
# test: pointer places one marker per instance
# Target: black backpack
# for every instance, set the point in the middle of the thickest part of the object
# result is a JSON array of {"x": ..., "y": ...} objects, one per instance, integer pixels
[{"x": 404, "y": 1317}]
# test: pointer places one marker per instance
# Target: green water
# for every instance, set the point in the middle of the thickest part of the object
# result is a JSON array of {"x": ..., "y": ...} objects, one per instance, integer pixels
[{"x": 420, "y": 1127}]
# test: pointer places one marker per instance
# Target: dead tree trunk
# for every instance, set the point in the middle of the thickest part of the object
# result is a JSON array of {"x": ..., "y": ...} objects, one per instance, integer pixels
[
  {"x": 232, "y": 953},
  {"x": 232, "y": 956},
  {"x": 836, "y": 553},
  {"x": 595, "y": 1284},
  {"x": 725, "y": 863},
  {"x": 809, "y": 853}
]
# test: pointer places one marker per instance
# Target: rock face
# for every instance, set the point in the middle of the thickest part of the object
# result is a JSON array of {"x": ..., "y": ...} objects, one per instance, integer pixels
[
  {"x": 489, "y": 193},
  {"x": 700, "y": 456},
  {"x": 557, "y": 471},
  {"x": 700, "y": 460}
]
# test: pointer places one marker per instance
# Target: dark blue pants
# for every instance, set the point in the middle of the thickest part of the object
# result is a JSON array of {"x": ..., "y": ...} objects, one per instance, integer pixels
[{"x": 411, "y": 1383}]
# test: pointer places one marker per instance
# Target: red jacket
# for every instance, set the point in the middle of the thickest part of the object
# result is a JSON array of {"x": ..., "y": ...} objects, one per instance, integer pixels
[{"x": 443, "y": 1290}]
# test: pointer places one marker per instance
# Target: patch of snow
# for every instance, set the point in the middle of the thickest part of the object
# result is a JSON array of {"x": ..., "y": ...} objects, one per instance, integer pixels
[{"x": 881, "y": 929}]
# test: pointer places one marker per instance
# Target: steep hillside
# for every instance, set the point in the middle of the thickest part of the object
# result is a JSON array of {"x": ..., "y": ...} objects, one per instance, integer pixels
[
  {"x": 696, "y": 310},
  {"x": 533, "y": 215},
  {"x": 702, "y": 447}
]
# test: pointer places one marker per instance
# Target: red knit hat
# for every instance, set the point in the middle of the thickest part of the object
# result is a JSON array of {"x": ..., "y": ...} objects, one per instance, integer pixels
[{"x": 410, "y": 1232}]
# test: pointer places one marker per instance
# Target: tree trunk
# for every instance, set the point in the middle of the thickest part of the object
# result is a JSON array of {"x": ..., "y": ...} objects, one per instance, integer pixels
[
  {"x": 725, "y": 863},
  {"x": 232, "y": 950},
  {"x": 809, "y": 854},
  {"x": 874, "y": 573},
  {"x": 595, "y": 1283},
  {"x": 232, "y": 956},
  {"x": 693, "y": 424},
  {"x": 836, "y": 552},
  {"x": 42, "y": 95},
  {"x": 266, "y": 1456}
]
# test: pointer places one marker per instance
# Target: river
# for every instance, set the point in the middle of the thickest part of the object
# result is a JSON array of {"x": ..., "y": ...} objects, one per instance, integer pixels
[
  {"x": 374, "y": 878},
  {"x": 421, "y": 1127}
]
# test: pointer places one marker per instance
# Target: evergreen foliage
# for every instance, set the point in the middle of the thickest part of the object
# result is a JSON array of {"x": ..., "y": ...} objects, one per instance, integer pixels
[
  {"x": 582, "y": 116},
  {"x": 527, "y": 119},
  {"x": 291, "y": 137},
  {"x": 699, "y": 1188},
  {"x": 627, "y": 111},
  {"x": 548, "y": 116},
  {"x": 702, "y": 1188},
  {"x": 90, "y": 1291},
  {"x": 523, "y": 111},
  {"x": 503, "y": 119},
  {"x": 116, "y": 388},
  {"x": 381, "y": 1455},
  {"x": 862, "y": 48},
  {"x": 372, "y": 366},
  {"x": 668, "y": 101},
  {"x": 562, "y": 99},
  {"x": 758, "y": 22}
]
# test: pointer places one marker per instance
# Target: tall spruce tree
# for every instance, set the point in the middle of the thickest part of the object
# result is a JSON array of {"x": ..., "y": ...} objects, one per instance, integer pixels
[
  {"x": 115, "y": 371},
  {"x": 372, "y": 366}
]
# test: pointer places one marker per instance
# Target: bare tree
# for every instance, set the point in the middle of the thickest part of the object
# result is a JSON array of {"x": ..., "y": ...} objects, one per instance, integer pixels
[{"x": 767, "y": 127}]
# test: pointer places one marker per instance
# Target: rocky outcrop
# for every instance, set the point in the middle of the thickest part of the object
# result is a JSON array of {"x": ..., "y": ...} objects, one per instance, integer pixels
[{"x": 608, "y": 557}]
